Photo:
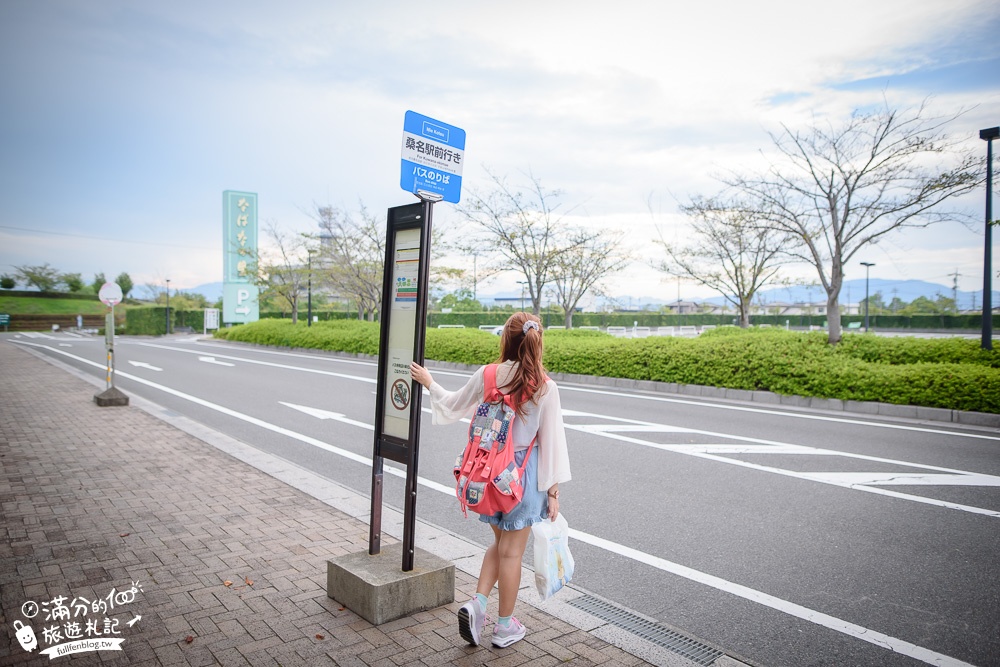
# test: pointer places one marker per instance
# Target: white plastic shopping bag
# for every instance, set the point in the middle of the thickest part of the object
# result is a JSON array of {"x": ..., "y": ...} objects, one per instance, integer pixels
[{"x": 553, "y": 561}]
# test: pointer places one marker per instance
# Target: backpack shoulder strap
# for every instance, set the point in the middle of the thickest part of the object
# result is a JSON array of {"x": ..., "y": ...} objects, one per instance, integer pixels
[{"x": 490, "y": 389}]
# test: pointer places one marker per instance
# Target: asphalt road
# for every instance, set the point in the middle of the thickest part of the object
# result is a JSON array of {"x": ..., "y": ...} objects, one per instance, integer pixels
[{"x": 785, "y": 536}]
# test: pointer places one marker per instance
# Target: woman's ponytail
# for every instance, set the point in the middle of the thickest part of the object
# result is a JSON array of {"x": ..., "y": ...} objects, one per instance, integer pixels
[{"x": 521, "y": 341}]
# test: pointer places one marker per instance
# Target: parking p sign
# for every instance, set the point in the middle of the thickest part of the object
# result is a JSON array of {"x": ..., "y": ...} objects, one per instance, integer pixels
[{"x": 433, "y": 154}]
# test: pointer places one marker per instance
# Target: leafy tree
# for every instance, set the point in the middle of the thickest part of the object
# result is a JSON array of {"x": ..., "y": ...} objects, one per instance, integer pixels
[
  {"x": 73, "y": 281},
  {"x": 731, "y": 251},
  {"x": 945, "y": 304},
  {"x": 839, "y": 189},
  {"x": 921, "y": 306},
  {"x": 7, "y": 282},
  {"x": 98, "y": 282},
  {"x": 125, "y": 282},
  {"x": 188, "y": 301},
  {"x": 44, "y": 277},
  {"x": 460, "y": 301},
  {"x": 877, "y": 305}
]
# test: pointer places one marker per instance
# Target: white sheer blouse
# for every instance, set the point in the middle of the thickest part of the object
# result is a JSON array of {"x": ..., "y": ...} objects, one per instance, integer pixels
[{"x": 543, "y": 418}]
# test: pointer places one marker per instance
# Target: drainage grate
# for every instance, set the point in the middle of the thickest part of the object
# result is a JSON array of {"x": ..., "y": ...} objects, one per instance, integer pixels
[{"x": 654, "y": 632}]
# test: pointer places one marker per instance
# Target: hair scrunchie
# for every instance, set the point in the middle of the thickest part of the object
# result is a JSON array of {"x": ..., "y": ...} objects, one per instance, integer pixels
[{"x": 530, "y": 324}]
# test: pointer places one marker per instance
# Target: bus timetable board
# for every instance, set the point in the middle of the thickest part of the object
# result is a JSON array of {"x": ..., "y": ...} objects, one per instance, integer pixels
[{"x": 403, "y": 331}]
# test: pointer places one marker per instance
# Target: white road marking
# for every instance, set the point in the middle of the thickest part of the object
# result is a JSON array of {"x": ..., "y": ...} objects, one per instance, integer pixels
[
  {"x": 265, "y": 363},
  {"x": 819, "y": 618},
  {"x": 213, "y": 360},
  {"x": 903, "y": 479},
  {"x": 845, "y": 627},
  {"x": 570, "y": 387},
  {"x": 143, "y": 364},
  {"x": 707, "y": 451},
  {"x": 824, "y": 478},
  {"x": 325, "y": 414},
  {"x": 706, "y": 403}
]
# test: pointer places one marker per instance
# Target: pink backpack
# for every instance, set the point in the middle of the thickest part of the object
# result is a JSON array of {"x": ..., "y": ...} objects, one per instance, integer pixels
[{"x": 487, "y": 479}]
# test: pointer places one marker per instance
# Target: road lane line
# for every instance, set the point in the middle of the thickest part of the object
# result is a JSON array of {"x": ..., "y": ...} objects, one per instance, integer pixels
[
  {"x": 618, "y": 393},
  {"x": 819, "y": 618},
  {"x": 143, "y": 364},
  {"x": 839, "y": 625},
  {"x": 694, "y": 451},
  {"x": 265, "y": 363},
  {"x": 213, "y": 360},
  {"x": 811, "y": 477}
]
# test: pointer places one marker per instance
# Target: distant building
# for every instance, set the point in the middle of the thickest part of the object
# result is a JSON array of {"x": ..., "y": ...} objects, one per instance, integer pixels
[{"x": 681, "y": 307}]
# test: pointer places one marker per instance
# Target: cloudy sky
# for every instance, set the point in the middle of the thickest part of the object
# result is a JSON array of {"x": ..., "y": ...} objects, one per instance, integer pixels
[{"x": 123, "y": 121}]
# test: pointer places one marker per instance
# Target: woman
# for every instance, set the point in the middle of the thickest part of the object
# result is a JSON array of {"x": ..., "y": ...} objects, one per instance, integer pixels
[{"x": 539, "y": 414}]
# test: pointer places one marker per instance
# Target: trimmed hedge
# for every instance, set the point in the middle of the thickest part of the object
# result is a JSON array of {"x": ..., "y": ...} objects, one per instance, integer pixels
[
  {"x": 948, "y": 373},
  {"x": 152, "y": 320},
  {"x": 339, "y": 335}
]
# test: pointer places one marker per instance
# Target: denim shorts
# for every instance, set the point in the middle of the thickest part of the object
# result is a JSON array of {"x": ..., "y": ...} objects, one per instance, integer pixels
[{"x": 534, "y": 505}]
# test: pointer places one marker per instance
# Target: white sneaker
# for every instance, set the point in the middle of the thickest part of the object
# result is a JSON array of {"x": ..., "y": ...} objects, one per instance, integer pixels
[
  {"x": 503, "y": 637},
  {"x": 471, "y": 622}
]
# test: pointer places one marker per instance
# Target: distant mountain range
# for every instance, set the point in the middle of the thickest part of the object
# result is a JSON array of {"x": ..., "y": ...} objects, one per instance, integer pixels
[{"x": 852, "y": 292}]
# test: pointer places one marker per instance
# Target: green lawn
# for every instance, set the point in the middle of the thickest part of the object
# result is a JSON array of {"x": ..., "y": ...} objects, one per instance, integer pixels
[{"x": 31, "y": 305}]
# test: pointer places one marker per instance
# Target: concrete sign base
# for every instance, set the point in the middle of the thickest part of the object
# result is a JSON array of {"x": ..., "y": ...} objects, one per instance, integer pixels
[
  {"x": 111, "y": 397},
  {"x": 375, "y": 588}
]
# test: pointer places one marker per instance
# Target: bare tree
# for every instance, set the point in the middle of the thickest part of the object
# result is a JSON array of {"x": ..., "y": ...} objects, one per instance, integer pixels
[
  {"x": 522, "y": 228},
  {"x": 732, "y": 253},
  {"x": 282, "y": 268},
  {"x": 588, "y": 260},
  {"x": 840, "y": 189},
  {"x": 351, "y": 256}
]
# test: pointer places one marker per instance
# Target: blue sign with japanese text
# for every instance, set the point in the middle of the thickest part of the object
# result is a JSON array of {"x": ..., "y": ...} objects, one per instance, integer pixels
[{"x": 433, "y": 154}]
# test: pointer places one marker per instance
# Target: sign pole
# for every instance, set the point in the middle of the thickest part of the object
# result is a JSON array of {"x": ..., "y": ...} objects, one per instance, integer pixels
[
  {"x": 109, "y": 341},
  {"x": 410, "y": 502},
  {"x": 110, "y": 294}
]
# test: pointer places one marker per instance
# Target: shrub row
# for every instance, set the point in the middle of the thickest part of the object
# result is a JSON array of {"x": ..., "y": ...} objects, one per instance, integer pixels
[
  {"x": 651, "y": 319},
  {"x": 339, "y": 336},
  {"x": 152, "y": 320},
  {"x": 946, "y": 374}
]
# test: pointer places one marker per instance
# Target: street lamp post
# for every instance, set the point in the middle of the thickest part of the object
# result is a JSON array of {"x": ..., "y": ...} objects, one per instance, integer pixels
[
  {"x": 168, "y": 306},
  {"x": 867, "y": 266},
  {"x": 309, "y": 302},
  {"x": 522, "y": 283},
  {"x": 988, "y": 136}
]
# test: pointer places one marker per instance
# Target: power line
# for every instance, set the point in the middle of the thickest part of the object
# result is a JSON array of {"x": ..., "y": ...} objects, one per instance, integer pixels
[{"x": 101, "y": 238}]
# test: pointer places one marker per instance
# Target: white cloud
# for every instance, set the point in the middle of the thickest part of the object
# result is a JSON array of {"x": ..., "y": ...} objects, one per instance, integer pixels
[{"x": 127, "y": 121}]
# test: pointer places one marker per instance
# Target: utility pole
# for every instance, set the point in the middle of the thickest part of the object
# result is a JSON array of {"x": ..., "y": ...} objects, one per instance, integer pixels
[
  {"x": 954, "y": 289},
  {"x": 867, "y": 266},
  {"x": 168, "y": 307},
  {"x": 988, "y": 135}
]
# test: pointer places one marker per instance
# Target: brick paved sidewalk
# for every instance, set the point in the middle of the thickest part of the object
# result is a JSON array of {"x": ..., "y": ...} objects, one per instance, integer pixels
[{"x": 231, "y": 562}]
